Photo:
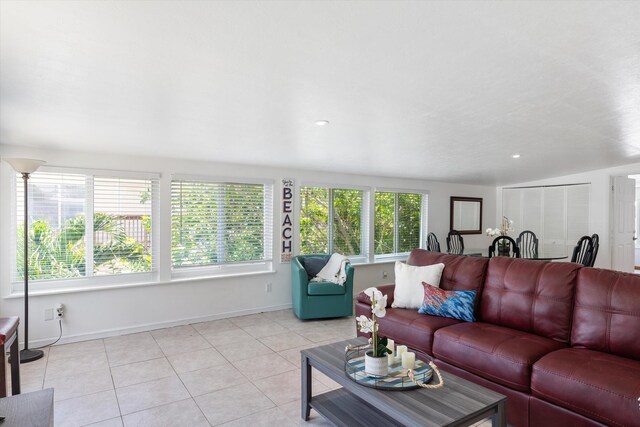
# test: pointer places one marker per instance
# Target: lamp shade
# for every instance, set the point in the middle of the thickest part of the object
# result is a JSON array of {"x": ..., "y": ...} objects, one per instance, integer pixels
[{"x": 25, "y": 165}]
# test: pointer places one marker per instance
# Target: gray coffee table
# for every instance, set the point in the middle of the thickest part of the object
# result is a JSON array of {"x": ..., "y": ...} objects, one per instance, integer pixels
[{"x": 458, "y": 403}]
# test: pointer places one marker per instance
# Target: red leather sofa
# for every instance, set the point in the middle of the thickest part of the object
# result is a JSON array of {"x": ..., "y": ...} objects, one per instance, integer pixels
[{"x": 561, "y": 341}]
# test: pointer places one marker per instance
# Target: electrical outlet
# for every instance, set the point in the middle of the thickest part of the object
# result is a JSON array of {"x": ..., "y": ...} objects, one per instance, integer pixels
[
  {"x": 60, "y": 311},
  {"x": 384, "y": 274},
  {"x": 48, "y": 314},
  {"x": 268, "y": 287}
]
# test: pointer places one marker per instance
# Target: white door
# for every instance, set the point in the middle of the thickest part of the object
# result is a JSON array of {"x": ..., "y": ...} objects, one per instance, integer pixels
[{"x": 623, "y": 224}]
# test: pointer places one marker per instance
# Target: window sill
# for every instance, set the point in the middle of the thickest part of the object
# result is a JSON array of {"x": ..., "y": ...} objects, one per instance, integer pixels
[
  {"x": 219, "y": 276},
  {"x": 70, "y": 290},
  {"x": 389, "y": 260}
]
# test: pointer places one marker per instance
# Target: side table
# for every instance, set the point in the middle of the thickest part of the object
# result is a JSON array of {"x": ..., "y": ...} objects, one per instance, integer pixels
[{"x": 9, "y": 339}]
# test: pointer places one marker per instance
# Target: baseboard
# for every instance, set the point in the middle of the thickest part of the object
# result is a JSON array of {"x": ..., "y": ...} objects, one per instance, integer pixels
[{"x": 152, "y": 326}]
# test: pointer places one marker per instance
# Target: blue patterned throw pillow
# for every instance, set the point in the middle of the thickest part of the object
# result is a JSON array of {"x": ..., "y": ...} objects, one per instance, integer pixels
[{"x": 453, "y": 304}]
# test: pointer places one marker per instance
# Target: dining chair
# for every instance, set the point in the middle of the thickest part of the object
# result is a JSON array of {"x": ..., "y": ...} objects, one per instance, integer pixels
[
  {"x": 595, "y": 240},
  {"x": 527, "y": 242},
  {"x": 455, "y": 243},
  {"x": 504, "y": 246},
  {"x": 432, "y": 243},
  {"x": 583, "y": 252}
]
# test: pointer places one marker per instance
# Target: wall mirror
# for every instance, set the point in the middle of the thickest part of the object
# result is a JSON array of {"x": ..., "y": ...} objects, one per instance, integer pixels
[{"x": 466, "y": 215}]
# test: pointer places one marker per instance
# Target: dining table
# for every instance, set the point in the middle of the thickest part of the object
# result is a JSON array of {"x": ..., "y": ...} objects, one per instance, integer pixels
[{"x": 549, "y": 254}]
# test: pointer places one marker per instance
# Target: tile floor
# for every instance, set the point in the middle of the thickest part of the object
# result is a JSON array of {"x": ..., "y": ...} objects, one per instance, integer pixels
[{"x": 241, "y": 371}]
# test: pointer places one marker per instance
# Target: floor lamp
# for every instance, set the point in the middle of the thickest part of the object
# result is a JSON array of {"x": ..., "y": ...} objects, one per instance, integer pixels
[{"x": 26, "y": 167}]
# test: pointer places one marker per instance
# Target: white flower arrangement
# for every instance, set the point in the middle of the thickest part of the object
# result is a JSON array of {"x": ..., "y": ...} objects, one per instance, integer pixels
[
  {"x": 505, "y": 228},
  {"x": 366, "y": 325}
]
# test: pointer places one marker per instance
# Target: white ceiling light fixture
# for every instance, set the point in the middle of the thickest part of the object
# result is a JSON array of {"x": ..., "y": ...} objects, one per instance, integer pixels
[
  {"x": 516, "y": 156},
  {"x": 322, "y": 122}
]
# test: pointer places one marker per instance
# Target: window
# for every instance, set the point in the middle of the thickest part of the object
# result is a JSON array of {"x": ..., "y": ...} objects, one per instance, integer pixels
[
  {"x": 332, "y": 220},
  {"x": 84, "y": 225},
  {"x": 399, "y": 219},
  {"x": 216, "y": 224}
]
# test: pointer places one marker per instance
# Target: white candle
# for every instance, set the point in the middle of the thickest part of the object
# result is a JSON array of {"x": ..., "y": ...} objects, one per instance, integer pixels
[
  {"x": 408, "y": 360},
  {"x": 400, "y": 349},
  {"x": 390, "y": 359},
  {"x": 390, "y": 344}
]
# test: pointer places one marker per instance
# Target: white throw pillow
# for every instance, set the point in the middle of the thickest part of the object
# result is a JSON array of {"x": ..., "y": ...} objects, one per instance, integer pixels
[{"x": 409, "y": 292}]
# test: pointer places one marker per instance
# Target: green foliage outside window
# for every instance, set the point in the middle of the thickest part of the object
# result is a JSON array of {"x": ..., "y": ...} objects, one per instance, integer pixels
[
  {"x": 214, "y": 223},
  {"x": 409, "y": 208},
  {"x": 397, "y": 222},
  {"x": 61, "y": 254},
  {"x": 314, "y": 220},
  {"x": 57, "y": 235},
  {"x": 342, "y": 232},
  {"x": 347, "y": 212},
  {"x": 384, "y": 223}
]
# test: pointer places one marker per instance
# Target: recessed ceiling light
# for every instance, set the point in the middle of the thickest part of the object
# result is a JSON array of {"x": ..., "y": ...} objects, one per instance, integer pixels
[
  {"x": 322, "y": 122},
  {"x": 516, "y": 156}
]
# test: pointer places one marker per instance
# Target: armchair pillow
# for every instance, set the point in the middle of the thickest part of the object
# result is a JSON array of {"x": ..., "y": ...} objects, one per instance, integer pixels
[
  {"x": 452, "y": 304},
  {"x": 313, "y": 265},
  {"x": 409, "y": 292}
]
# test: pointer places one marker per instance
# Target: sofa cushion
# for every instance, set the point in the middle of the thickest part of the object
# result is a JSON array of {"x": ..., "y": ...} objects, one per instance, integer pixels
[
  {"x": 453, "y": 304},
  {"x": 601, "y": 386},
  {"x": 461, "y": 273},
  {"x": 530, "y": 296},
  {"x": 325, "y": 288},
  {"x": 409, "y": 292},
  {"x": 607, "y": 312},
  {"x": 499, "y": 354},
  {"x": 410, "y": 328}
]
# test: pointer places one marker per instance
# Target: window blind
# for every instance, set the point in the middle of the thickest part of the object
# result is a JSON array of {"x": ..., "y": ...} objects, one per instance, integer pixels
[
  {"x": 57, "y": 210},
  {"x": 398, "y": 223},
  {"x": 85, "y": 225},
  {"x": 347, "y": 221},
  {"x": 215, "y": 223},
  {"x": 409, "y": 220},
  {"x": 314, "y": 220},
  {"x": 332, "y": 220},
  {"x": 122, "y": 225}
]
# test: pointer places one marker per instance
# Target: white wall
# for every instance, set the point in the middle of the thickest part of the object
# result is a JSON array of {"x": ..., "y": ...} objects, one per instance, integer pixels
[
  {"x": 637, "y": 250},
  {"x": 120, "y": 310},
  {"x": 600, "y": 201}
]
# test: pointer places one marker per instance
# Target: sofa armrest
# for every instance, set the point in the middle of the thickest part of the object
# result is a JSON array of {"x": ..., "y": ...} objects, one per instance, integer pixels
[{"x": 385, "y": 289}]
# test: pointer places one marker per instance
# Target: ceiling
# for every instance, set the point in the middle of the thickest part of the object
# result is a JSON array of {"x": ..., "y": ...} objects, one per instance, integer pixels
[{"x": 445, "y": 91}]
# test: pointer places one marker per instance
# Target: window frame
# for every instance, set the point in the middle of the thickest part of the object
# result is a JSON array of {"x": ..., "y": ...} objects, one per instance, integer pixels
[
  {"x": 365, "y": 217},
  {"x": 88, "y": 281},
  {"x": 424, "y": 224},
  {"x": 237, "y": 268}
]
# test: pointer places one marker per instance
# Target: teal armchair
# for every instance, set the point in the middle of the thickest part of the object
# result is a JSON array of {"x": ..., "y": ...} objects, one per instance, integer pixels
[{"x": 319, "y": 300}]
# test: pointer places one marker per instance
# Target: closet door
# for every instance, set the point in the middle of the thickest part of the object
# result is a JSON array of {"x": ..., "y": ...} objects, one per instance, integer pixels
[
  {"x": 532, "y": 210},
  {"x": 577, "y": 214},
  {"x": 554, "y": 219},
  {"x": 511, "y": 208}
]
